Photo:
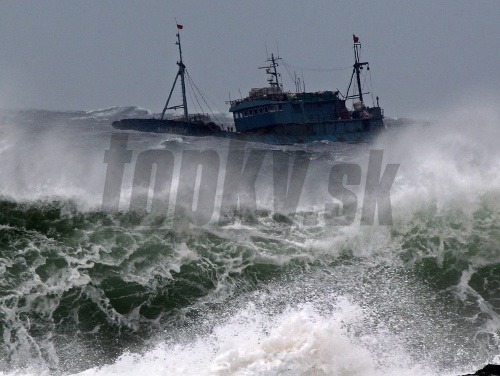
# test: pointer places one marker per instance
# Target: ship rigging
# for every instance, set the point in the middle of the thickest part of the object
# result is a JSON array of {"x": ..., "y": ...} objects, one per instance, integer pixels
[{"x": 271, "y": 115}]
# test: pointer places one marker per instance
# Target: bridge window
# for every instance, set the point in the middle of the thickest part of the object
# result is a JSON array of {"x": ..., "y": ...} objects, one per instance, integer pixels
[
  {"x": 261, "y": 110},
  {"x": 266, "y": 109}
]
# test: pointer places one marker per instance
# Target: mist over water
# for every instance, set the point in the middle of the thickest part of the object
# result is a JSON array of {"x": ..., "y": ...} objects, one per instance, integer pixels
[{"x": 97, "y": 293}]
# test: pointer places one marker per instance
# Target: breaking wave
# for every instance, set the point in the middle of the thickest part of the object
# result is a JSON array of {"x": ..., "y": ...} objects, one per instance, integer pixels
[{"x": 98, "y": 293}]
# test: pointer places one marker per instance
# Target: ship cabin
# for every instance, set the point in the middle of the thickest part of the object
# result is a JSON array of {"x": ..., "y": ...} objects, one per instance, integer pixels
[
  {"x": 270, "y": 106},
  {"x": 271, "y": 110}
]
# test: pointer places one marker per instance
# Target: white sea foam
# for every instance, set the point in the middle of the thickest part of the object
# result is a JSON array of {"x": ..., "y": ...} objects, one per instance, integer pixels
[
  {"x": 300, "y": 341},
  {"x": 451, "y": 165},
  {"x": 114, "y": 113}
]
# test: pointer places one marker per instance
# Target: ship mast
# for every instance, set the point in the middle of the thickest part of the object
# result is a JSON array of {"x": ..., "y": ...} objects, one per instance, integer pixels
[
  {"x": 180, "y": 73},
  {"x": 272, "y": 71},
  {"x": 357, "y": 67}
]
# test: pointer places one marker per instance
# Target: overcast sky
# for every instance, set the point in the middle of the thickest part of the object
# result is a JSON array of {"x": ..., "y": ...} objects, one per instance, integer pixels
[{"x": 69, "y": 55}]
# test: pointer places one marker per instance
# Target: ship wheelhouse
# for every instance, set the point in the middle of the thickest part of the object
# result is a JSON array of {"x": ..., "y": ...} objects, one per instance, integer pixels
[{"x": 254, "y": 113}]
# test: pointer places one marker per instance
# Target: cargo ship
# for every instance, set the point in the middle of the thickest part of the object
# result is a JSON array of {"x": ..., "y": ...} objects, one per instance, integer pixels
[{"x": 272, "y": 115}]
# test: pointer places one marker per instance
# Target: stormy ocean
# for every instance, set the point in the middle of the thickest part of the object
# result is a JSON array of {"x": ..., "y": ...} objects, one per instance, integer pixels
[{"x": 89, "y": 291}]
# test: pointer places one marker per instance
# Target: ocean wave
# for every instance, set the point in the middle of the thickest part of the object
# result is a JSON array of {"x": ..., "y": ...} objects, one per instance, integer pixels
[
  {"x": 99, "y": 274},
  {"x": 115, "y": 113},
  {"x": 84, "y": 289},
  {"x": 299, "y": 341}
]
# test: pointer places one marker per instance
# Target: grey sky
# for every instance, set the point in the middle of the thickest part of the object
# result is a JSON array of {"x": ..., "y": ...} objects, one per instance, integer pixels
[{"x": 96, "y": 54}]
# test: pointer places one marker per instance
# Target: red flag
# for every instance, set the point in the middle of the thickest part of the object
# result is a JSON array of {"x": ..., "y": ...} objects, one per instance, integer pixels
[
  {"x": 179, "y": 26},
  {"x": 355, "y": 38}
]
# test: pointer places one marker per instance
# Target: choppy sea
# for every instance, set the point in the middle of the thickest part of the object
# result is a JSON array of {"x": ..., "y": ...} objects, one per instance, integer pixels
[{"x": 89, "y": 291}]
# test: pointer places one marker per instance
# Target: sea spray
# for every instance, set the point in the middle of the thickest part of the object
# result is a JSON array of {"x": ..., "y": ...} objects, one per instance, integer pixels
[{"x": 86, "y": 290}]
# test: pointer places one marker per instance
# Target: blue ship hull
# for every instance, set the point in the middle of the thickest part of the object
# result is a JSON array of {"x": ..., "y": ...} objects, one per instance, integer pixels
[
  {"x": 290, "y": 140},
  {"x": 180, "y": 127},
  {"x": 350, "y": 131}
]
